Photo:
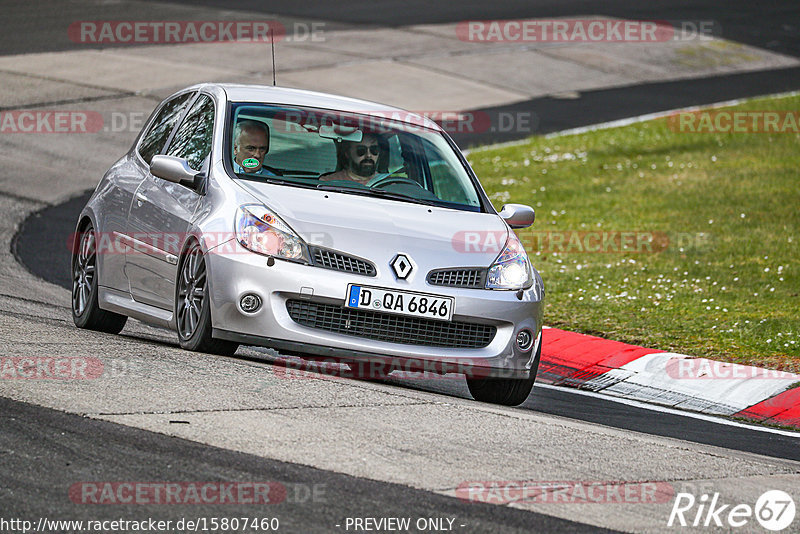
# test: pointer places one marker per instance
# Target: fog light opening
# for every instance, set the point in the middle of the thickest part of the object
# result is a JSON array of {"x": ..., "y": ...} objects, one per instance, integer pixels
[
  {"x": 250, "y": 303},
  {"x": 524, "y": 340}
]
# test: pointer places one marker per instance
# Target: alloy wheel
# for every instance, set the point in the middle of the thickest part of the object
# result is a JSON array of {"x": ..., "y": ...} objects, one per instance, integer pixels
[
  {"x": 191, "y": 292},
  {"x": 83, "y": 272}
]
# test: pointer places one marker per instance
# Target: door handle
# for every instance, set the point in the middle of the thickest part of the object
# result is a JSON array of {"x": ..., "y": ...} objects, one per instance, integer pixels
[{"x": 140, "y": 199}]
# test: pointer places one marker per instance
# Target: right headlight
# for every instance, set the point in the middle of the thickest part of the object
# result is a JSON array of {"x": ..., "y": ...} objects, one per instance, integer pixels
[
  {"x": 261, "y": 231},
  {"x": 512, "y": 269}
]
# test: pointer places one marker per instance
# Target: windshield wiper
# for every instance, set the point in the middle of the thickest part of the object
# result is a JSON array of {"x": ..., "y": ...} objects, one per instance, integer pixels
[
  {"x": 367, "y": 192},
  {"x": 276, "y": 180}
]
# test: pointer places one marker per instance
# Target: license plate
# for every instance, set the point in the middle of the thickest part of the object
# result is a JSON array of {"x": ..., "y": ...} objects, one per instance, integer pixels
[{"x": 400, "y": 302}]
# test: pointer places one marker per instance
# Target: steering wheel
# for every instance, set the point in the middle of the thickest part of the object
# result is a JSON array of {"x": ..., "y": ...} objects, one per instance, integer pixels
[{"x": 390, "y": 179}]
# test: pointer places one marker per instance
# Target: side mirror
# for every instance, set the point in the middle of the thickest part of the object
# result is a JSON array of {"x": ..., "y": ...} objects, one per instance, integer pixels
[
  {"x": 518, "y": 215},
  {"x": 173, "y": 169}
]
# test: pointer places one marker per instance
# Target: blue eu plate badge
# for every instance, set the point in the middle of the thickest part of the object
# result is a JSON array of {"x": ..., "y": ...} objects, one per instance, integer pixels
[{"x": 355, "y": 292}]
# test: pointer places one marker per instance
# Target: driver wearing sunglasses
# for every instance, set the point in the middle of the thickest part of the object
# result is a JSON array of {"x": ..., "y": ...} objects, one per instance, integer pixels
[{"x": 359, "y": 160}]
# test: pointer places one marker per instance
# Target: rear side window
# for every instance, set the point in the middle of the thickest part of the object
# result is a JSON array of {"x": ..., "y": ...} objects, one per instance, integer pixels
[
  {"x": 156, "y": 136},
  {"x": 192, "y": 141}
]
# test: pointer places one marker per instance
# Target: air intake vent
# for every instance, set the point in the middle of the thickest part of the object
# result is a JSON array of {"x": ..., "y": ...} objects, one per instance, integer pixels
[
  {"x": 336, "y": 261},
  {"x": 473, "y": 278},
  {"x": 390, "y": 327}
]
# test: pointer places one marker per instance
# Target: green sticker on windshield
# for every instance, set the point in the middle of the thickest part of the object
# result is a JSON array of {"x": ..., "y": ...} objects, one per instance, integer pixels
[{"x": 250, "y": 163}]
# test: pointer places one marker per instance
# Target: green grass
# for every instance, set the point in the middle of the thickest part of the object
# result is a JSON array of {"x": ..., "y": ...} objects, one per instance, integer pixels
[{"x": 727, "y": 284}]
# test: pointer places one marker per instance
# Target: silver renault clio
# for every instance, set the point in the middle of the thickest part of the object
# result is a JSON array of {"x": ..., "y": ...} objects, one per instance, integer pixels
[{"x": 316, "y": 225}]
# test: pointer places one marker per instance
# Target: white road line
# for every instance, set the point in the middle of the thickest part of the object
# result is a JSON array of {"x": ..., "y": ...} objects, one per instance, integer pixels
[{"x": 672, "y": 411}]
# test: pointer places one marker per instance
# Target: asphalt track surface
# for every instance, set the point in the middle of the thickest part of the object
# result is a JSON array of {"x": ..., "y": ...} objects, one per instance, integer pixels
[{"x": 39, "y": 461}]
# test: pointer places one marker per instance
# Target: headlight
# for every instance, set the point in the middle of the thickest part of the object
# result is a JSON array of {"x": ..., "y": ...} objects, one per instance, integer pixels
[
  {"x": 261, "y": 231},
  {"x": 511, "y": 269}
]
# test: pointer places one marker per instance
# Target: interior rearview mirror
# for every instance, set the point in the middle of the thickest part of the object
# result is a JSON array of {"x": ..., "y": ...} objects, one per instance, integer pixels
[{"x": 339, "y": 132}]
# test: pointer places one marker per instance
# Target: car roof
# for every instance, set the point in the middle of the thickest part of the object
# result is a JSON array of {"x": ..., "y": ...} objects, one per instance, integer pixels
[{"x": 304, "y": 98}]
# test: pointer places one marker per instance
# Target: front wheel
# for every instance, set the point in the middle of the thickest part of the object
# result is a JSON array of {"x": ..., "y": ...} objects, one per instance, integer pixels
[
  {"x": 192, "y": 309},
  {"x": 86, "y": 312},
  {"x": 504, "y": 391}
]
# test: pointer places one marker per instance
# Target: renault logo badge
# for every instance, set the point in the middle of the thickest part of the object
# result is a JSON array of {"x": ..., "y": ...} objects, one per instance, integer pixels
[{"x": 402, "y": 266}]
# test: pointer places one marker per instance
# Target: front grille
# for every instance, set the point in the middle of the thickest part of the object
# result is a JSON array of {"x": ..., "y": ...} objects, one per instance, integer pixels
[
  {"x": 474, "y": 278},
  {"x": 390, "y": 327},
  {"x": 329, "y": 259}
]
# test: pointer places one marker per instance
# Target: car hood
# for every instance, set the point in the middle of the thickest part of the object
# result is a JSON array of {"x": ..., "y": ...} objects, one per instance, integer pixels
[{"x": 377, "y": 229}]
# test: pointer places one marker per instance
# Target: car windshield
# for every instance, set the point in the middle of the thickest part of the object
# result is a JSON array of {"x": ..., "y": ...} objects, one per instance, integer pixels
[{"x": 368, "y": 155}]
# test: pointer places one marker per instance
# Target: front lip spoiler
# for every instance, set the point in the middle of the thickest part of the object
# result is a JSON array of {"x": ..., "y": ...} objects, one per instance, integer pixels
[{"x": 413, "y": 364}]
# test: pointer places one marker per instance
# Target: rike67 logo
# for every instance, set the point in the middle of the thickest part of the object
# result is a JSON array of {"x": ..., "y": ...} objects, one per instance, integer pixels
[{"x": 774, "y": 510}]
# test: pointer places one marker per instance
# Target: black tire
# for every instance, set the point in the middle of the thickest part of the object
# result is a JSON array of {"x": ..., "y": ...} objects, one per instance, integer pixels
[
  {"x": 192, "y": 308},
  {"x": 504, "y": 391},
  {"x": 86, "y": 312}
]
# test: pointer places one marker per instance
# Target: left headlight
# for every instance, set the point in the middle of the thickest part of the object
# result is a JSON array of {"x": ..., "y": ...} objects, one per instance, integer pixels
[
  {"x": 261, "y": 231},
  {"x": 511, "y": 269}
]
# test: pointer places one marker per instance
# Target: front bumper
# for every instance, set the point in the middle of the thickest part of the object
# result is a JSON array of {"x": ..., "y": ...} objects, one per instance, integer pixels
[{"x": 238, "y": 272}]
